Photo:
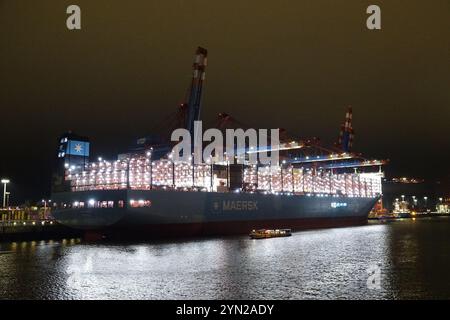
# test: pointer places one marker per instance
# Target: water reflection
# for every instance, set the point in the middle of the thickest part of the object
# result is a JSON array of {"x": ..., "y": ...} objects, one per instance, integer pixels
[
  {"x": 421, "y": 258},
  {"x": 412, "y": 257}
]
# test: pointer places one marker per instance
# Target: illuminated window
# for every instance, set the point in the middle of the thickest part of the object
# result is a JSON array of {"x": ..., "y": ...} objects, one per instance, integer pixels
[
  {"x": 140, "y": 203},
  {"x": 120, "y": 203},
  {"x": 92, "y": 203}
]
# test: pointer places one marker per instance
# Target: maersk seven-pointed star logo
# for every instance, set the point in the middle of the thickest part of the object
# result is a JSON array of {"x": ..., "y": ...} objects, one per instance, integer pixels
[{"x": 78, "y": 148}]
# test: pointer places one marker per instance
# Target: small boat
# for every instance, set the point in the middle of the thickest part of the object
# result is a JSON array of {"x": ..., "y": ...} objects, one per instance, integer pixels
[{"x": 269, "y": 233}]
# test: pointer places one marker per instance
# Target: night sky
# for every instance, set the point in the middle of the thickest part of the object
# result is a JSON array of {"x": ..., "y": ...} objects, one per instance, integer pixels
[{"x": 291, "y": 64}]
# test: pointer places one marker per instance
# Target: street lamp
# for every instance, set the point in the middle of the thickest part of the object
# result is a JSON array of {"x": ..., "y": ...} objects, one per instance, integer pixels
[
  {"x": 5, "y": 182},
  {"x": 46, "y": 204},
  {"x": 414, "y": 201}
]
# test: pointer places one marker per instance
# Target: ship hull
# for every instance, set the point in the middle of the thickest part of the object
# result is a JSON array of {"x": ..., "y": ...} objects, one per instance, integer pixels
[
  {"x": 151, "y": 231},
  {"x": 181, "y": 214}
]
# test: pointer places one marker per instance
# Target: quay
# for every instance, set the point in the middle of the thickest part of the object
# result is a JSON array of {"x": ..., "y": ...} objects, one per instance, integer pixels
[
  {"x": 34, "y": 230},
  {"x": 407, "y": 215},
  {"x": 31, "y": 224}
]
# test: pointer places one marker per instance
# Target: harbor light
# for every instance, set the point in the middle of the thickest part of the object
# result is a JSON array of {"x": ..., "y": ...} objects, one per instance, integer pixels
[{"x": 425, "y": 198}]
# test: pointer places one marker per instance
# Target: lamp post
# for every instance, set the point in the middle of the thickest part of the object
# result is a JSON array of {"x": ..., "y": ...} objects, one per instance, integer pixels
[
  {"x": 5, "y": 182},
  {"x": 45, "y": 202}
]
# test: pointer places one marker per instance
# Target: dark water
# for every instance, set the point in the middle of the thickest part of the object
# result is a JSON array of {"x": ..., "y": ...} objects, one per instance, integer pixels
[{"x": 413, "y": 258}]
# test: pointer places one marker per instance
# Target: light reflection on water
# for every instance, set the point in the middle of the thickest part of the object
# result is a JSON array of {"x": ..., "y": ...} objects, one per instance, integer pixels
[{"x": 321, "y": 264}]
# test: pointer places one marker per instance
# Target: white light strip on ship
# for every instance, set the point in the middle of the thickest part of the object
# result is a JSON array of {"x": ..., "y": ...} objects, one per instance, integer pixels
[{"x": 284, "y": 146}]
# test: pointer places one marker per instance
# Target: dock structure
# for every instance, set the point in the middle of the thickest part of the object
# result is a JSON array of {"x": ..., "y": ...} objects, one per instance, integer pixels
[{"x": 34, "y": 230}]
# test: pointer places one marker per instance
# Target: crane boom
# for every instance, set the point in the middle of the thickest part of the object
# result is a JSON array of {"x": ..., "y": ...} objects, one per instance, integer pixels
[{"x": 195, "y": 92}]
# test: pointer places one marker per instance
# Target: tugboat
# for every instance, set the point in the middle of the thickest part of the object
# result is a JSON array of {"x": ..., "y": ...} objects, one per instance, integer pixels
[{"x": 269, "y": 233}]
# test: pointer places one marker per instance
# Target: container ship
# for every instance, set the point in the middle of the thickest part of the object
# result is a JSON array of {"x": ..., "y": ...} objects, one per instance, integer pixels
[{"x": 143, "y": 193}]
